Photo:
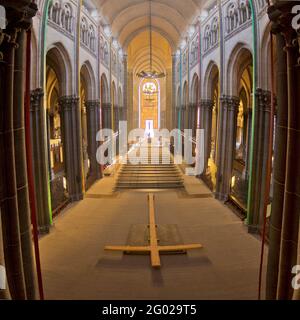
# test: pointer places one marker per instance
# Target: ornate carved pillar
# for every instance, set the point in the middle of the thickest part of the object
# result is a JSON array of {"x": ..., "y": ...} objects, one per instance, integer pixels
[
  {"x": 71, "y": 141},
  {"x": 226, "y": 144},
  {"x": 40, "y": 159}
]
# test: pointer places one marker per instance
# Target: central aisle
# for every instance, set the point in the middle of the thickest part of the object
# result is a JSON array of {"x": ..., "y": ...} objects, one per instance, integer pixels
[{"x": 75, "y": 265}]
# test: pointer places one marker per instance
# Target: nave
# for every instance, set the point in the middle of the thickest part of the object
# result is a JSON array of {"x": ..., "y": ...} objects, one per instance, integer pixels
[
  {"x": 226, "y": 268},
  {"x": 221, "y": 77}
]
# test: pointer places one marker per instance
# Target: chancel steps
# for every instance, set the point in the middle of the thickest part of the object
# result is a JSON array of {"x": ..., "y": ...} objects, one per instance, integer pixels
[{"x": 155, "y": 171}]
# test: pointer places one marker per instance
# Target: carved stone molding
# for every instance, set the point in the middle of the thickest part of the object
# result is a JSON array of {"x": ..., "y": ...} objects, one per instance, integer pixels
[
  {"x": 92, "y": 104},
  {"x": 68, "y": 103},
  {"x": 106, "y": 106},
  {"x": 206, "y": 104},
  {"x": 36, "y": 97},
  {"x": 230, "y": 103},
  {"x": 263, "y": 100}
]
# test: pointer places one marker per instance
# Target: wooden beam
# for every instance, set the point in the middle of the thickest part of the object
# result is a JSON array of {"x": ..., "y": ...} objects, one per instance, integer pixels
[{"x": 153, "y": 249}]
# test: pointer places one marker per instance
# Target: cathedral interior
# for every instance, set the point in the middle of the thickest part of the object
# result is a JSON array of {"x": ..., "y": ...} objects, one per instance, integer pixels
[{"x": 75, "y": 228}]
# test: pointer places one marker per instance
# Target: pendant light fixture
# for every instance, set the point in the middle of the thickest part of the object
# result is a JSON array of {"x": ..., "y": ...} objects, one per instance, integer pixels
[{"x": 150, "y": 74}]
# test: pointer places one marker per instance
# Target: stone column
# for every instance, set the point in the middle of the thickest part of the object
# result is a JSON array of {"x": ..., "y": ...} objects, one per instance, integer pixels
[
  {"x": 116, "y": 118},
  {"x": 106, "y": 116},
  {"x": 14, "y": 213},
  {"x": 183, "y": 113},
  {"x": 226, "y": 144},
  {"x": 291, "y": 205},
  {"x": 174, "y": 109},
  {"x": 125, "y": 100},
  {"x": 21, "y": 167},
  {"x": 71, "y": 142},
  {"x": 260, "y": 158},
  {"x": 248, "y": 142},
  {"x": 279, "y": 160},
  {"x": 206, "y": 107},
  {"x": 92, "y": 114},
  {"x": 191, "y": 114},
  {"x": 40, "y": 159}
]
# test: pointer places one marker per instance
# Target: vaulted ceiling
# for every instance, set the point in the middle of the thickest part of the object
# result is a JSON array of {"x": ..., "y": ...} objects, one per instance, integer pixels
[{"x": 170, "y": 18}]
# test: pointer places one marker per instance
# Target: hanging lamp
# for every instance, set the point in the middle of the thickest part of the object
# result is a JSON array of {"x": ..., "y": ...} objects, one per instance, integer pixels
[{"x": 150, "y": 74}]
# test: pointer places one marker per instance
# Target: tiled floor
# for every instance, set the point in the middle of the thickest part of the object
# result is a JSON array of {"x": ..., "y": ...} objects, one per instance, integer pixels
[{"x": 75, "y": 265}]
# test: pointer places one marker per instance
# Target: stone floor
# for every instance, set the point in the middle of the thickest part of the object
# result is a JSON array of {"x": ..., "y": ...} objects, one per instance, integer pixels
[{"x": 75, "y": 265}]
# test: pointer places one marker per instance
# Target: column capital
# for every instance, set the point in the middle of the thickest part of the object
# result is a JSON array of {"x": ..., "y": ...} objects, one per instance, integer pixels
[
  {"x": 106, "y": 105},
  {"x": 193, "y": 105},
  {"x": 206, "y": 104},
  {"x": 230, "y": 103},
  {"x": 67, "y": 103},
  {"x": 92, "y": 104},
  {"x": 36, "y": 97},
  {"x": 281, "y": 17},
  {"x": 19, "y": 14},
  {"x": 263, "y": 99}
]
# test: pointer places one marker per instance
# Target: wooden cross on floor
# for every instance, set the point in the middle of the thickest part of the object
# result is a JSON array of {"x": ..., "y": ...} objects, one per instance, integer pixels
[{"x": 154, "y": 249}]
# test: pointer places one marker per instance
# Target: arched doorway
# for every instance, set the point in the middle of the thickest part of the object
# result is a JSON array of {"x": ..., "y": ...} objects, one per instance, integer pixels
[
  {"x": 212, "y": 106},
  {"x": 149, "y": 105},
  {"x": 83, "y": 99},
  {"x": 240, "y": 168},
  {"x": 55, "y": 78}
]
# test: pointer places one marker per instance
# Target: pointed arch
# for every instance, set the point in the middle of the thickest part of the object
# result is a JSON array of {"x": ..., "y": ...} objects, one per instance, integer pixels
[
  {"x": 88, "y": 77},
  {"x": 104, "y": 89},
  {"x": 240, "y": 58},
  {"x": 59, "y": 60}
]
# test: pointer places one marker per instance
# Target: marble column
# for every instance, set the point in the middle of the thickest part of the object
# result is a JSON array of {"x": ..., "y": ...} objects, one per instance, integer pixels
[
  {"x": 92, "y": 114},
  {"x": 260, "y": 160},
  {"x": 40, "y": 159},
  {"x": 226, "y": 144},
  {"x": 71, "y": 145}
]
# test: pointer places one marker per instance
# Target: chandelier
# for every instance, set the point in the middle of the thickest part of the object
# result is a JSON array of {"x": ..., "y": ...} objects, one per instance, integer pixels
[{"x": 150, "y": 74}]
